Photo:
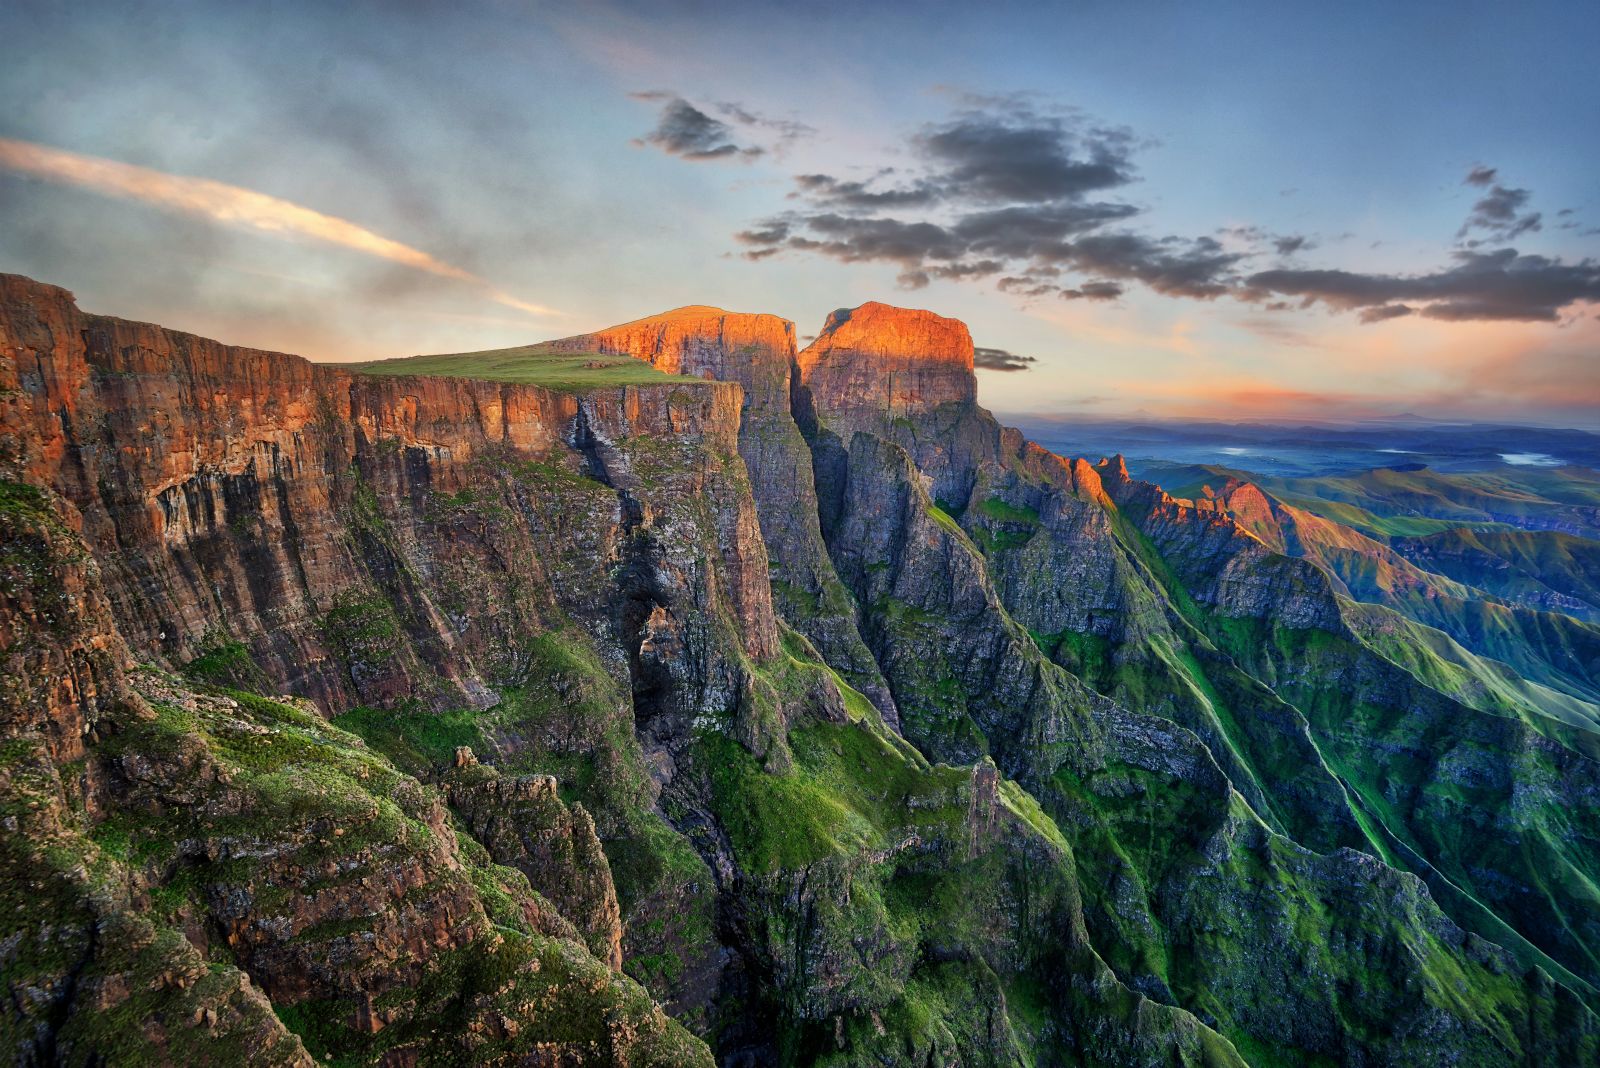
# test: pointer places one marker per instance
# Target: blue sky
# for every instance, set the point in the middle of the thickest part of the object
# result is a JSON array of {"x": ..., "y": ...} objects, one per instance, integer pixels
[{"x": 509, "y": 144}]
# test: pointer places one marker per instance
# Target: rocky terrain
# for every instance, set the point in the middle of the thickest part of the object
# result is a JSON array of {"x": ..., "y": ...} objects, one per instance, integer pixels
[{"x": 779, "y": 708}]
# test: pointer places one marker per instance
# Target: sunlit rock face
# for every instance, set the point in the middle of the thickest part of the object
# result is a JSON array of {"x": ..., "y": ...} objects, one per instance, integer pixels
[
  {"x": 754, "y": 350},
  {"x": 587, "y": 650},
  {"x": 888, "y": 361}
]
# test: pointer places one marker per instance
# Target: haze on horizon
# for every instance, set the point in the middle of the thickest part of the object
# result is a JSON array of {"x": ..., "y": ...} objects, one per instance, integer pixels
[{"x": 1235, "y": 212}]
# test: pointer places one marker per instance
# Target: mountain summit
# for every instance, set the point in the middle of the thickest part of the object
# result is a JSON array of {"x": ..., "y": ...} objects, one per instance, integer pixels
[{"x": 888, "y": 360}]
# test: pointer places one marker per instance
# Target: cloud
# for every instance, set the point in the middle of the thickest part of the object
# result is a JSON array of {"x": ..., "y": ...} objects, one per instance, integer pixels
[
  {"x": 826, "y": 189},
  {"x": 787, "y": 130},
  {"x": 685, "y": 131},
  {"x": 1000, "y": 190},
  {"x": 1000, "y": 360},
  {"x": 1174, "y": 266},
  {"x": 1035, "y": 231},
  {"x": 1277, "y": 329},
  {"x": 1093, "y": 291},
  {"x": 1499, "y": 212},
  {"x": 1016, "y": 155},
  {"x": 1503, "y": 284},
  {"x": 1386, "y": 311},
  {"x": 231, "y": 205},
  {"x": 1005, "y": 191},
  {"x": 1026, "y": 286}
]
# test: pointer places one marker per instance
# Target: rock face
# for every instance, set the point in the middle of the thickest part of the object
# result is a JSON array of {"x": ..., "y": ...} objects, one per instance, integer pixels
[
  {"x": 523, "y": 823},
  {"x": 1113, "y": 578},
  {"x": 852, "y": 727},
  {"x": 888, "y": 362},
  {"x": 704, "y": 343},
  {"x": 758, "y": 352},
  {"x": 219, "y": 488}
]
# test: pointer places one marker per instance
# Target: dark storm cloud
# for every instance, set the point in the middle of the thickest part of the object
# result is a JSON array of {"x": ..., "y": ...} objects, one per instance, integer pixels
[
  {"x": 685, "y": 131},
  {"x": 1502, "y": 284},
  {"x": 1000, "y": 360}
]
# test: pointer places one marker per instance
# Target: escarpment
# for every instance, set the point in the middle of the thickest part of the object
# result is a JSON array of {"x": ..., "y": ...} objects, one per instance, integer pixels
[
  {"x": 241, "y": 496},
  {"x": 1161, "y": 604},
  {"x": 758, "y": 352},
  {"x": 786, "y": 710}
]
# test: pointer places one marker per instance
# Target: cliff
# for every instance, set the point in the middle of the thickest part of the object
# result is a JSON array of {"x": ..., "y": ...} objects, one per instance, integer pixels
[
  {"x": 233, "y": 495},
  {"x": 1162, "y": 604},
  {"x": 753, "y": 350},
  {"x": 888, "y": 362},
  {"x": 758, "y": 352}
]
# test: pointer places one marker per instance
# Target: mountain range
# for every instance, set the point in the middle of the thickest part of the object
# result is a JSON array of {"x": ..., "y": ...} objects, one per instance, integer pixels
[{"x": 672, "y": 695}]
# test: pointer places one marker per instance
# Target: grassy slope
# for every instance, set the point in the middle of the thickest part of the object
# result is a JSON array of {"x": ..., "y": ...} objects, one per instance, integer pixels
[{"x": 534, "y": 365}]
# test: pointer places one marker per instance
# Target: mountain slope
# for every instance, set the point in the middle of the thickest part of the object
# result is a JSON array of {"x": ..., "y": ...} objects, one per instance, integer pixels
[{"x": 1541, "y": 570}]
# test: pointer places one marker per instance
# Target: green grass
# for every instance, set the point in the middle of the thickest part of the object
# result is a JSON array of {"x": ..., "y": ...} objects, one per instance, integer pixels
[
  {"x": 1003, "y": 511},
  {"x": 534, "y": 365},
  {"x": 416, "y": 741}
]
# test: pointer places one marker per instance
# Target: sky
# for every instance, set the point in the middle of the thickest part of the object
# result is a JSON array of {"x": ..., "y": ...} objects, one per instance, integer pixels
[{"x": 1274, "y": 211}]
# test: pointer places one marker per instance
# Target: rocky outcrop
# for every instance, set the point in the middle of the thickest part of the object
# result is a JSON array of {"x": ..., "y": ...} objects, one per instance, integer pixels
[
  {"x": 523, "y": 823},
  {"x": 705, "y": 343},
  {"x": 1545, "y": 648},
  {"x": 1220, "y": 560},
  {"x": 886, "y": 362},
  {"x": 232, "y": 495},
  {"x": 193, "y": 855},
  {"x": 1152, "y": 567}
]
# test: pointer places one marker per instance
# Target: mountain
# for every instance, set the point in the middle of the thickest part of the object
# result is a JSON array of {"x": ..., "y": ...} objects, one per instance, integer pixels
[
  {"x": 667, "y": 695},
  {"x": 1537, "y": 569},
  {"x": 1413, "y": 500}
]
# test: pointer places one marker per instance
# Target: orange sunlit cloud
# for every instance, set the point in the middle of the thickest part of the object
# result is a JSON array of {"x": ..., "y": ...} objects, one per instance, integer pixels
[{"x": 232, "y": 205}]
